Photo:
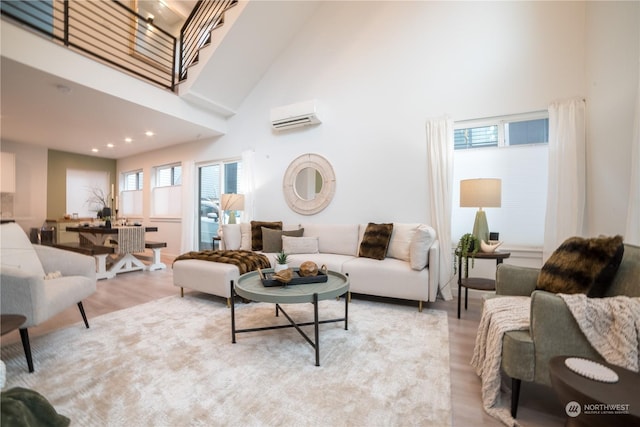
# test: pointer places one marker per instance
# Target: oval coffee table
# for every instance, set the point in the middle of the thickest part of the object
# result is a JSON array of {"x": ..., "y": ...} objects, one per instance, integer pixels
[{"x": 250, "y": 286}]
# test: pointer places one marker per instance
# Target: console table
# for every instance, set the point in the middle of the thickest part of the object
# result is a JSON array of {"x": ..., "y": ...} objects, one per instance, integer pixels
[{"x": 478, "y": 283}]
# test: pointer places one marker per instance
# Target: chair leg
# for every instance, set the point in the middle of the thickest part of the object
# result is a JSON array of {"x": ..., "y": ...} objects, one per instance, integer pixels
[
  {"x": 24, "y": 336},
  {"x": 84, "y": 316},
  {"x": 515, "y": 396}
]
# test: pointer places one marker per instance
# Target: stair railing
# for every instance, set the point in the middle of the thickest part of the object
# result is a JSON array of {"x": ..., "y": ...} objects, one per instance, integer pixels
[
  {"x": 196, "y": 31},
  {"x": 108, "y": 31}
]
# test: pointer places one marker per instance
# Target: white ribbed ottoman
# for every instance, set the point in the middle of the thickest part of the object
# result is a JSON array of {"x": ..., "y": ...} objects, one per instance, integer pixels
[{"x": 205, "y": 276}]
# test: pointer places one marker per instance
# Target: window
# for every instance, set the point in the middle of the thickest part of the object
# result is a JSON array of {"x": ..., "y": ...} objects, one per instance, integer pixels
[
  {"x": 131, "y": 196},
  {"x": 530, "y": 128},
  {"x": 167, "y": 193},
  {"x": 214, "y": 179},
  {"x": 520, "y": 219},
  {"x": 132, "y": 180},
  {"x": 87, "y": 192},
  {"x": 168, "y": 175}
]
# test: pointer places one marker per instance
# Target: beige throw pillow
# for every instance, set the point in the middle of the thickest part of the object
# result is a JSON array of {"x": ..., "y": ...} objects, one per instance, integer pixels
[
  {"x": 400, "y": 242},
  {"x": 299, "y": 245},
  {"x": 422, "y": 240}
]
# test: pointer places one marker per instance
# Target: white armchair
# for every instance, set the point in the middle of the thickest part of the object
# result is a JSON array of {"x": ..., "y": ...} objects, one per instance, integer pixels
[{"x": 24, "y": 289}]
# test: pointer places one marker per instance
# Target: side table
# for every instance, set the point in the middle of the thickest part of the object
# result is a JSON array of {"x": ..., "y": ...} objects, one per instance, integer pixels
[
  {"x": 478, "y": 283},
  {"x": 589, "y": 402},
  {"x": 215, "y": 242}
]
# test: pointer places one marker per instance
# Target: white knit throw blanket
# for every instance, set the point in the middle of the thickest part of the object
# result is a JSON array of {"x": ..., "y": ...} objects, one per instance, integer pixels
[
  {"x": 499, "y": 315},
  {"x": 611, "y": 325}
]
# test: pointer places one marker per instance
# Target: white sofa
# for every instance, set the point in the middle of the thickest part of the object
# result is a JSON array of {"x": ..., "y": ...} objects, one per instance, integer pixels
[{"x": 409, "y": 270}]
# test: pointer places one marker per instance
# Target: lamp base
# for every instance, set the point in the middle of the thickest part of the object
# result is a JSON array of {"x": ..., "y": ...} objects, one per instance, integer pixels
[
  {"x": 480, "y": 226},
  {"x": 232, "y": 217}
]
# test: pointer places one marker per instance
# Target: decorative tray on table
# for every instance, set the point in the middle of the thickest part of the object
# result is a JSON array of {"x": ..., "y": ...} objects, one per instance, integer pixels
[{"x": 268, "y": 280}]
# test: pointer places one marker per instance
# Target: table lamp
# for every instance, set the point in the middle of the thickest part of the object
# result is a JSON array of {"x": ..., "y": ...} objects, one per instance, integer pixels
[
  {"x": 232, "y": 203},
  {"x": 481, "y": 193}
]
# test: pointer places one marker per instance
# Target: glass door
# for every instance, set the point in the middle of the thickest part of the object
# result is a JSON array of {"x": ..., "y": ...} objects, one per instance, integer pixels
[{"x": 209, "y": 201}]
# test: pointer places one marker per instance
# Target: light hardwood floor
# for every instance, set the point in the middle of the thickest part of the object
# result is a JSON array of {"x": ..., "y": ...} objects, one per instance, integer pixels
[{"x": 538, "y": 405}]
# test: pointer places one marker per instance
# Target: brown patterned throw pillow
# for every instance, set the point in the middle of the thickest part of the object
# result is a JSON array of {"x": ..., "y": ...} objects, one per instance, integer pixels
[
  {"x": 256, "y": 232},
  {"x": 582, "y": 266},
  {"x": 376, "y": 241}
]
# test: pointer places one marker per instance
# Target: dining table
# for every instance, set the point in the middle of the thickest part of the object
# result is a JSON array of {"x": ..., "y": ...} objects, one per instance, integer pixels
[{"x": 126, "y": 240}]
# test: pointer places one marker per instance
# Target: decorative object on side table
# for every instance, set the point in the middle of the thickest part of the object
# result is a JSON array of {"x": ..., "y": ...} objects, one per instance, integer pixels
[
  {"x": 232, "y": 202},
  {"x": 489, "y": 247},
  {"x": 468, "y": 246},
  {"x": 481, "y": 193},
  {"x": 281, "y": 262}
]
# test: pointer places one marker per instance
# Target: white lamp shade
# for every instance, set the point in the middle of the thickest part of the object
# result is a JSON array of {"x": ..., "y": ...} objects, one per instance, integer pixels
[
  {"x": 481, "y": 193},
  {"x": 232, "y": 202}
]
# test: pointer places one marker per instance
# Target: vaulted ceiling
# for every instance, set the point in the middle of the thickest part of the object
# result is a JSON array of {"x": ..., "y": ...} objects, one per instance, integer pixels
[{"x": 53, "y": 97}]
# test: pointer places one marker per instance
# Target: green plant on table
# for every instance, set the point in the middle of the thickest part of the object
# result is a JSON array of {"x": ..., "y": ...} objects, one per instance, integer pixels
[
  {"x": 468, "y": 246},
  {"x": 282, "y": 258}
]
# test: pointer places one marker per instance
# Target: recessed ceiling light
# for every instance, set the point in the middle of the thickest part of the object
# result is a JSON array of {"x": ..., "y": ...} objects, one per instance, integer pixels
[
  {"x": 95, "y": 150},
  {"x": 128, "y": 140},
  {"x": 110, "y": 145},
  {"x": 148, "y": 133}
]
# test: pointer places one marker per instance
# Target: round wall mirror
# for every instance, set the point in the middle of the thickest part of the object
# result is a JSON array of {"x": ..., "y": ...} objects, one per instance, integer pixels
[{"x": 309, "y": 184}]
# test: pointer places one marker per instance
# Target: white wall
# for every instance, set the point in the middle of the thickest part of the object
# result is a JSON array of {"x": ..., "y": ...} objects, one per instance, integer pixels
[{"x": 380, "y": 69}]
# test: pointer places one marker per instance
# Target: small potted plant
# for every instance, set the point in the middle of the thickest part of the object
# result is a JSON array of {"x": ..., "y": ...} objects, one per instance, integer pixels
[
  {"x": 281, "y": 262},
  {"x": 468, "y": 246}
]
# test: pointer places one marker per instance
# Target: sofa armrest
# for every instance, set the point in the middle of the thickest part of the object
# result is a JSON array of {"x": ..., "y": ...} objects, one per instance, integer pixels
[
  {"x": 66, "y": 262},
  {"x": 516, "y": 280},
  {"x": 20, "y": 292},
  {"x": 555, "y": 332},
  {"x": 434, "y": 270}
]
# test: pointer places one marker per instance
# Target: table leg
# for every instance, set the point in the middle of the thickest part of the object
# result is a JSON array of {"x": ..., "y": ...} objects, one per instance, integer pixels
[
  {"x": 24, "y": 336},
  {"x": 101, "y": 267},
  {"x": 316, "y": 325},
  {"x": 459, "y": 283},
  {"x": 233, "y": 314},
  {"x": 346, "y": 311}
]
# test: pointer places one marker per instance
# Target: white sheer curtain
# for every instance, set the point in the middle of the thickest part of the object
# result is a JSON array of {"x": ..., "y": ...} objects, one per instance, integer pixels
[
  {"x": 189, "y": 191},
  {"x": 632, "y": 233},
  {"x": 567, "y": 178},
  {"x": 440, "y": 167},
  {"x": 248, "y": 184}
]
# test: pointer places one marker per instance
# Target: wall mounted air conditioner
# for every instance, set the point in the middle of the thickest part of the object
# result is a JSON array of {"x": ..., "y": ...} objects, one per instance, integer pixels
[{"x": 294, "y": 115}]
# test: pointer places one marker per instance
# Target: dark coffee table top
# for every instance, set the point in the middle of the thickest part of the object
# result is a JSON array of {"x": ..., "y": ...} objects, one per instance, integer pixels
[
  {"x": 571, "y": 386},
  {"x": 10, "y": 322}
]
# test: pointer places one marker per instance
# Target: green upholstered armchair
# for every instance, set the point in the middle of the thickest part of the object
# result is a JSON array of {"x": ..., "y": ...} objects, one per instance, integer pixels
[{"x": 553, "y": 330}]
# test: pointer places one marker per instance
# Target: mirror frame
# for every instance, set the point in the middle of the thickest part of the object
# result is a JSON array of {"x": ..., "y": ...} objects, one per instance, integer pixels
[{"x": 323, "y": 198}]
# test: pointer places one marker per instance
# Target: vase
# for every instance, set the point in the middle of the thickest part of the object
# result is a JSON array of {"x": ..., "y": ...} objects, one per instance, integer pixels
[{"x": 280, "y": 267}]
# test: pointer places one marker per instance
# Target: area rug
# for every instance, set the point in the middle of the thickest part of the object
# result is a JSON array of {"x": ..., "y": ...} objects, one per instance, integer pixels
[{"x": 171, "y": 362}]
